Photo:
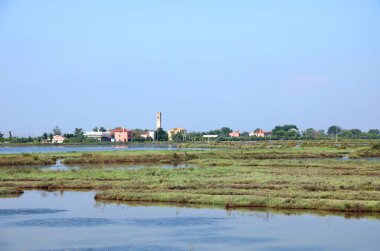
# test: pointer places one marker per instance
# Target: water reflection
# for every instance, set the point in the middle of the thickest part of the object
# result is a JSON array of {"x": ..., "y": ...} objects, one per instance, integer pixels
[
  {"x": 74, "y": 221},
  {"x": 262, "y": 213},
  {"x": 110, "y": 166},
  {"x": 60, "y": 166}
]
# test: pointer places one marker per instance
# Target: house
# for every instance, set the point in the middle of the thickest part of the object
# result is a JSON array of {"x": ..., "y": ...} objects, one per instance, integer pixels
[
  {"x": 260, "y": 133},
  {"x": 174, "y": 131},
  {"x": 100, "y": 136},
  {"x": 57, "y": 139},
  {"x": 234, "y": 134},
  {"x": 121, "y": 134},
  {"x": 151, "y": 134}
]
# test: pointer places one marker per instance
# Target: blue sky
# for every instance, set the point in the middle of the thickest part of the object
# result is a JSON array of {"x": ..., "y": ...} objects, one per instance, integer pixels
[{"x": 203, "y": 64}]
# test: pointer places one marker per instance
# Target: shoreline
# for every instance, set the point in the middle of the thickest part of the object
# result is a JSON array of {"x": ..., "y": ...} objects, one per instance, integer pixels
[{"x": 209, "y": 156}]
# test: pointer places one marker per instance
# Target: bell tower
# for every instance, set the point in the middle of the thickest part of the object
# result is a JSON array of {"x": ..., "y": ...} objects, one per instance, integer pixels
[{"x": 158, "y": 120}]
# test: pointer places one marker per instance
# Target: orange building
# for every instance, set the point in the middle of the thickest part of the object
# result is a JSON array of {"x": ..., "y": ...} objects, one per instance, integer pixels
[
  {"x": 120, "y": 134},
  {"x": 234, "y": 134}
]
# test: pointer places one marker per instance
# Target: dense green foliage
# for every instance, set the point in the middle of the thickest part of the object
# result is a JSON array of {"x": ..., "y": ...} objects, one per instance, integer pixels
[
  {"x": 57, "y": 131},
  {"x": 99, "y": 129},
  {"x": 178, "y": 137},
  {"x": 161, "y": 135},
  {"x": 333, "y": 130}
]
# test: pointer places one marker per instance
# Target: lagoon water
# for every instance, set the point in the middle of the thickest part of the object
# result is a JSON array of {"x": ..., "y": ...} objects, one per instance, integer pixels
[
  {"x": 40, "y": 220},
  {"x": 60, "y": 166}
]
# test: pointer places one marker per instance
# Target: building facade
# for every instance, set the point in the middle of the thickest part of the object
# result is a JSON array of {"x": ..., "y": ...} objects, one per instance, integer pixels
[
  {"x": 174, "y": 131},
  {"x": 234, "y": 134},
  {"x": 260, "y": 133},
  {"x": 100, "y": 136},
  {"x": 57, "y": 139},
  {"x": 121, "y": 134},
  {"x": 151, "y": 134}
]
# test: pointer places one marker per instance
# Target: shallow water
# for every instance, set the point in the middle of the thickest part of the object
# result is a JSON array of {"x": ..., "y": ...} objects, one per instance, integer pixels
[
  {"x": 64, "y": 148},
  {"x": 59, "y": 166},
  {"x": 40, "y": 220}
]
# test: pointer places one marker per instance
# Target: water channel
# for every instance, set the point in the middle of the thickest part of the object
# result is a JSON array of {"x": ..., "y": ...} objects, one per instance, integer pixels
[
  {"x": 42, "y": 220},
  {"x": 60, "y": 166}
]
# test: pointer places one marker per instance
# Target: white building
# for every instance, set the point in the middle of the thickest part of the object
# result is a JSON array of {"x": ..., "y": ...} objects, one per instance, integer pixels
[
  {"x": 57, "y": 139},
  {"x": 101, "y": 136},
  {"x": 148, "y": 134}
]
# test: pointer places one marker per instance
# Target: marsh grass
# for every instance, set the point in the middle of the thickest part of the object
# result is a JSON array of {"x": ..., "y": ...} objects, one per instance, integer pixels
[
  {"x": 9, "y": 191},
  {"x": 352, "y": 186},
  {"x": 234, "y": 151},
  {"x": 267, "y": 174}
]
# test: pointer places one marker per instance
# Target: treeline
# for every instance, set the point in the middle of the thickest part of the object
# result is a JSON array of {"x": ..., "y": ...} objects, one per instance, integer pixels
[
  {"x": 285, "y": 132},
  {"x": 77, "y": 136}
]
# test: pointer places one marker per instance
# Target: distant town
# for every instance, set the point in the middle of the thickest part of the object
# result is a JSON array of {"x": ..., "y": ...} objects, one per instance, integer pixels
[{"x": 121, "y": 134}]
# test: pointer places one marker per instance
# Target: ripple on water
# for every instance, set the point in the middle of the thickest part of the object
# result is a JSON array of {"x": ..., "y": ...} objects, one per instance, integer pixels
[
  {"x": 176, "y": 221},
  {"x": 25, "y": 211},
  {"x": 292, "y": 248},
  {"x": 65, "y": 222},
  {"x": 235, "y": 240},
  {"x": 133, "y": 247}
]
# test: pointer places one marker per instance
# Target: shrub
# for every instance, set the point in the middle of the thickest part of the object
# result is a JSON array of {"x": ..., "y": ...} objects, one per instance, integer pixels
[{"x": 376, "y": 147}]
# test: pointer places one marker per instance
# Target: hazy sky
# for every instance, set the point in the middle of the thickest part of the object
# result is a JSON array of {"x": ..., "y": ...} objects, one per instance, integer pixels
[{"x": 203, "y": 64}]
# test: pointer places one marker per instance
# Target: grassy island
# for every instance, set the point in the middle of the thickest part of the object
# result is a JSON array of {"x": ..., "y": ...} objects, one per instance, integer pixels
[{"x": 288, "y": 178}]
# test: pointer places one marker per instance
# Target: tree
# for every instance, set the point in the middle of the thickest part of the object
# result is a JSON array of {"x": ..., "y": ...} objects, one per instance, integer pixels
[
  {"x": 178, "y": 137},
  {"x": 355, "y": 132},
  {"x": 136, "y": 136},
  {"x": 287, "y": 131},
  {"x": 244, "y": 134},
  {"x": 10, "y": 135},
  {"x": 292, "y": 133},
  {"x": 78, "y": 133},
  {"x": 51, "y": 137},
  {"x": 311, "y": 133},
  {"x": 225, "y": 131},
  {"x": 149, "y": 139},
  {"x": 45, "y": 135},
  {"x": 285, "y": 128},
  {"x": 1, "y": 136},
  {"x": 222, "y": 132},
  {"x": 57, "y": 131},
  {"x": 374, "y": 131},
  {"x": 280, "y": 133},
  {"x": 161, "y": 135},
  {"x": 99, "y": 129},
  {"x": 333, "y": 130},
  {"x": 68, "y": 135}
]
